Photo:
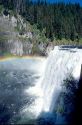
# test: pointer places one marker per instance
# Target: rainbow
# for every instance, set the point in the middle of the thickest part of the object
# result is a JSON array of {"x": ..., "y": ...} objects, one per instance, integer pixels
[{"x": 7, "y": 58}]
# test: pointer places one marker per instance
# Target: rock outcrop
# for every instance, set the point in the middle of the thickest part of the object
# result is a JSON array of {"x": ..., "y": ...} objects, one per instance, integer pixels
[{"x": 17, "y": 37}]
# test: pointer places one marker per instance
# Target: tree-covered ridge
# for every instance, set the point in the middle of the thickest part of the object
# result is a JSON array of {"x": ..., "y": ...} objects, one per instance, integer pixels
[{"x": 59, "y": 20}]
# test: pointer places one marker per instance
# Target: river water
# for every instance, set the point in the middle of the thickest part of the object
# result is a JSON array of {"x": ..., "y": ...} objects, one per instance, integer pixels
[
  {"x": 39, "y": 91},
  {"x": 17, "y": 75}
]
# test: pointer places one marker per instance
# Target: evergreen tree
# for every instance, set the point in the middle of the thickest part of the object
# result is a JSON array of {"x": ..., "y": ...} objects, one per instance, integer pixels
[{"x": 59, "y": 19}]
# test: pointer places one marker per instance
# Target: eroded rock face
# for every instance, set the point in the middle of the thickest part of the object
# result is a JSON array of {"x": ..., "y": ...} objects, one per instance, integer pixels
[
  {"x": 19, "y": 48},
  {"x": 49, "y": 48},
  {"x": 15, "y": 47},
  {"x": 13, "y": 42},
  {"x": 14, "y": 21},
  {"x": 27, "y": 48}
]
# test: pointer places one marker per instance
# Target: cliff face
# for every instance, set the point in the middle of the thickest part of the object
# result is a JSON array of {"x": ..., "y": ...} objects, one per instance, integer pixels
[
  {"x": 20, "y": 48},
  {"x": 18, "y": 37}
]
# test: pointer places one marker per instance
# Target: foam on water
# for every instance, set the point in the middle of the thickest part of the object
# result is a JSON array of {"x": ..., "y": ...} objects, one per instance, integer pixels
[
  {"x": 61, "y": 63},
  {"x": 36, "y": 107}
]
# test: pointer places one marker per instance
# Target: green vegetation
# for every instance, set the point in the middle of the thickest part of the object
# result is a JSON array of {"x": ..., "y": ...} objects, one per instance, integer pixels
[
  {"x": 66, "y": 101},
  {"x": 64, "y": 41},
  {"x": 1, "y": 8},
  {"x": 7, "y": 54},
  {"x": 69, "y": 83},
  {"x": 3, "y": 38},
  {"x": 60, "y": 109},
  {"x": 59, "y": 23},
  {"x": 59, "y": 20}
]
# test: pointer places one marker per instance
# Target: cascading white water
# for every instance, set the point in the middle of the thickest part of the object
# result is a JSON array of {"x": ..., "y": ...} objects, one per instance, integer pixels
[{"x": 61, "y": 63}]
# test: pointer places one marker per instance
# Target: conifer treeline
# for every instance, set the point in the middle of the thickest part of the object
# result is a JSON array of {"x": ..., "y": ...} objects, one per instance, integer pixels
[{"x": 59, "y": 20}]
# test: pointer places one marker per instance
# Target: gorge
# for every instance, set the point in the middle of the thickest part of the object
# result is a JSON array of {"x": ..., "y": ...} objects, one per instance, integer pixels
[
  {"x": 41, "y": 91},
  {"x": 58, "y": 86}
]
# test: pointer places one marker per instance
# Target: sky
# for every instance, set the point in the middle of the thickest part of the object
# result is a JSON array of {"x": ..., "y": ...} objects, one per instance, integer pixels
[
  {"x": 66, "y": 1},
  {"x": 73, "y": 1}
]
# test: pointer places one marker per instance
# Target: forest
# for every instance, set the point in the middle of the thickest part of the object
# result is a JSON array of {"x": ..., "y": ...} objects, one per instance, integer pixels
[{"x": 59, "y": 20}]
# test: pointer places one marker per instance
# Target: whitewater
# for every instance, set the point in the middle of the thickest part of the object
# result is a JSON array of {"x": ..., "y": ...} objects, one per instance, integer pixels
[{"x": 62, "y": 62}]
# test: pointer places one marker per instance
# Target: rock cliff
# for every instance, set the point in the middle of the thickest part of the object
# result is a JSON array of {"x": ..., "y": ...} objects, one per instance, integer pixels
[{"x": 19, "y": 37}]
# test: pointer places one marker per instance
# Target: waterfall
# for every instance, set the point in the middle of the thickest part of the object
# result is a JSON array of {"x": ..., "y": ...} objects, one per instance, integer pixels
[{"x": 62, "y": 61}]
